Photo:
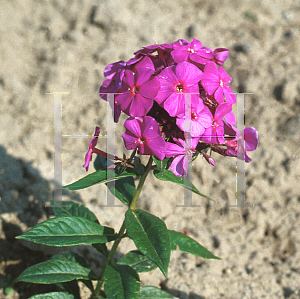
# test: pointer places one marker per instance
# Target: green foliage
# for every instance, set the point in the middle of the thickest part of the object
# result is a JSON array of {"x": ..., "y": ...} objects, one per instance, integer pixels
[
  {"x": 168, "y": 175},
  {"x": 150, "y": 292},
  {"x": 150, "y": 236},
  {"x": 71, "y": 208},
  {"x": 97, "y": 177},
  {"x": 67, "y": 231},
  {"x": 121, "y": 282},
  {"x": 74, "y": 224},
  {"x": 138, "y": 261},
  {"x": 189, "y": 245},
  {"x": 54, "y": 271},
  {"x": 53, "y": 295}
]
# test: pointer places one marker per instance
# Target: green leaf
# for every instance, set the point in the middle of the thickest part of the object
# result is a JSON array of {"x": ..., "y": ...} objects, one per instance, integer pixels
[
  {"x": 150, "y": 292},
  {"x": 74, "y": 257},
  {"x": 53, "y": 295},
  {"x": 71, "y": 287},
  {"x": 96, "y": 178},
  {"x": 55, "y": 271},
  {"x": 138, "y": 261},
  {"x": 71, "y": 256},
  {"x": 67, "y": 231},
  {"x": 124, "y": 189},
  {"x": 168, "y": 175},
  {"x": 189, "y": 245},
  {"x": 150, "y": 236},
  {"x": 71, "y": 208},
  {"x": 161, "y": 165},
  {"x": 121, "y": 283}
]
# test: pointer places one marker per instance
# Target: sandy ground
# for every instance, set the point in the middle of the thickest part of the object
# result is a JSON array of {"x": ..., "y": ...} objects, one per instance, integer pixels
[{"x": 54, "y": 46}]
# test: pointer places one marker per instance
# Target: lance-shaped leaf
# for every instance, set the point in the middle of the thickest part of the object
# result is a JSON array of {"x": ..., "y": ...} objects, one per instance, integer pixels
[
  {"x": 150, "y": 236},
  {"x": 55, "y": 271},
  {"x": 189, "y": 245},
  {"x": 150, "y": 292},
  {"x": 96, "y": 178},
  {"x": 121, "y": 283},
  {"x": 168, "y": 175},
  {"x": 71, "y": 208},
  {"x": 53, "y": 295},
  {"x": 138, "y": 261},
  {"x": 67, "y": 231}
]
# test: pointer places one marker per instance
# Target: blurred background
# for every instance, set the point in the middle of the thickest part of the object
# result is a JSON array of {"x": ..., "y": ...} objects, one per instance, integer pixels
[{"x": 56, "y": 45}]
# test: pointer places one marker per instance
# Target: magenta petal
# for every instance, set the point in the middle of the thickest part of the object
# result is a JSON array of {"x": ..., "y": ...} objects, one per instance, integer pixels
[
  {"x": 205, "y": 118},
  {"x": 129, "y": 140},
  {"x": 139, "y": 106},
  {"x": 142, "y": 75},
  {"x": 220, "y": 134},
  {"x": 128, "y": 78},
  {"x": 173, "y": 150},
  {"x": 196, "y": 45},
  {"x": 180, "y": 55},
  {"x": 222, "y": 110},
  {"x": 188, "y": 73},
  {"x": 197, "y": 129},
  {"x": 179, "y": 166},
  {"x": 88, "y": 158},
  {"x": 220, "y": 55},
  {"x": 229, "y": 95},
  {"x": 211, "y": 69},
  {"x": 206, "y": 53},
  {"x": 150, "y": 128},
  {"x": 224, "y": 76},
  {"x": 146, "y": 62},
  {"x": 174, "y": 104},
  {"x": 150, "y": 89},
  {"x": 219, "y": 95},
  {"x": 124, "y": 101},
  {"x": 158, "y": 147},
  {"x": 251, "y": 139},
  {"x": 168, "y": 75},
  {"x": 230, "y": 118},
  {"x": 133, "y": 125}
]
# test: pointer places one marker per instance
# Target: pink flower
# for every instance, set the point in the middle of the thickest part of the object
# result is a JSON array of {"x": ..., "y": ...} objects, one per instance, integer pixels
[
  {"x": 175, "y": 81},
  {"x": 215, "y": 81},
  {"x": 193, "y": 51},
  {"x": 183, "y": 156},
  {"x": 215, "y": 133},
  {"x": 220, "y": 55},
  {"x": 144, "y": 134},
  {"x": 93, "y": 149},
  {"x": 235, "y": 147},
  {"x": 138, "y": 92},
  {"x": 201, "y": 119}
]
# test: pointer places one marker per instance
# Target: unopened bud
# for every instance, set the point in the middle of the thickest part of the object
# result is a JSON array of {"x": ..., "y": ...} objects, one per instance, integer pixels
[{"x": 209, "y": 159}]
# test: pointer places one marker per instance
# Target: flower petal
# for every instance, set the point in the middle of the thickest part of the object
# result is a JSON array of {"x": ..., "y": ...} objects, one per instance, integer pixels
[{"x": 251, "y": 139}]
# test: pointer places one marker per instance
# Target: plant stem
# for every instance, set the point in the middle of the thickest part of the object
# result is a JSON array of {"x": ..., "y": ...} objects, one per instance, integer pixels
[{"x": 123, "y": 228}]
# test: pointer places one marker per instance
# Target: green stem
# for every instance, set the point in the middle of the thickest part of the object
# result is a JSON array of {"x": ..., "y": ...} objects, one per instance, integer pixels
[{"x": 122, "y": 229}]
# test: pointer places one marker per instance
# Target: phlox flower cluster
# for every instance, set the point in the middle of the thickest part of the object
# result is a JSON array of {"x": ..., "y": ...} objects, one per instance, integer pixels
[{"x": 152, "y": 88}]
